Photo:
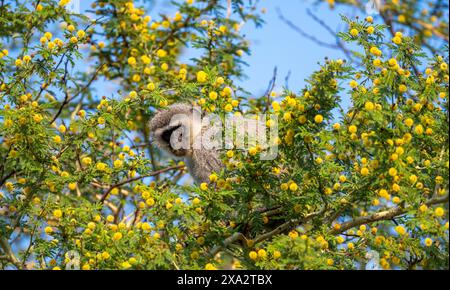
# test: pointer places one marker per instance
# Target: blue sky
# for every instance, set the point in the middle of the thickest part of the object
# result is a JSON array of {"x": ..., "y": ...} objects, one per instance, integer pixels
[{"x": 275, "y": 44}]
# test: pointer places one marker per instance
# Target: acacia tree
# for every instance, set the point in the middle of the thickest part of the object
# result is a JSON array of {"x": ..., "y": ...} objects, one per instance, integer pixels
[{"x": 82, "y": 184}]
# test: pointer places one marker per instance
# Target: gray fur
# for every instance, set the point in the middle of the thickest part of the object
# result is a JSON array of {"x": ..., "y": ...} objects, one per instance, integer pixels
[{"x": 201, "y": 162}]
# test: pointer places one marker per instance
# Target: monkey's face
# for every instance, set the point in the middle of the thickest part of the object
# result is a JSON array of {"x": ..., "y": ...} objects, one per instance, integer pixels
[
  {"x": 173, "y": 139},
  {"x": 173, "y": 130},
  {"x": 178, "y": 130}
]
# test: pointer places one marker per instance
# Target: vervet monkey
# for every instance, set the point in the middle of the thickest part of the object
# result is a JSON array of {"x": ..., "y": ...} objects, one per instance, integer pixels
[{"x": 178, "y": 130}]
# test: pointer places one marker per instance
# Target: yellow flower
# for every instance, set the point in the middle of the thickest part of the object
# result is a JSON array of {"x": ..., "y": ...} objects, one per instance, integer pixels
[
  {"x": 293, "y": 186},
  {"x": 396, "y": 200},
  {"x": 73, "y": 39},
  {"x": 204, "y": 186},
  {"x": 150, "y": 201},
  {"x": 118, "y": 163},
  {"x": 276, "y": 106},
  {"x": 62, "y": 129},
  {"x": 428, "y": 242},
  {"x": 364, "y": 171},
  {"x": 383, "y": 193},
  {"x": 196, "y": 201},
  {"x": 57, "y": 213},
  {"x": 402, "y": 88},
  {"x": 253, "y": 255},
  {"x": 262, "y": 254},
  {"x": 354, "y": 32},
  {"x": 400, "y": 230},
  {"x": 81, "y": 33},
  {"x": 105, "y": 255},
  {"x": 369, "y": 106},
  {"x": 26, "y": 58},
  {"x": 439, "y": 212},
  {"x": 409, "y": 122},
  {"x": 392, "y": 171},
  {"x": 72, "y": 185},
  {"x": 213, "y": 95},
  {"x": 418, "y": 129},
  {"x": 161, "y": 53},
  {"x": 370, "y": 29},
  {"x": 392, "y": 62},
  {"x": 353, "y": 129},
  {"x": 57, "y": 139},
  {"x": 201, "y": 77},
  {"x": 37, "y": 118},
  {"x": 318, "y": 119},
  {"x": 200, "y": 240},
  {"x": 110, "y": 218},
  {"x": 252, "y": 151},
  {"x": 82, "y": 113},
  {"x": 126, "y": 265},
  {"x": 413, "y": 179},
  {"x": 101, "y": 166},
  {"x": 117, "y": 236},
  {"x": 146, "y": 227},
  {"x": 337, "y": 226},
  {"x": 228, "y": 108},
  {"x": 132, "y": 61},
  {"x": 287, "y": 116},
  {"x": 63, "y": 2},
  {"x": 376, "y": 62},
  {"x": 48, "y": 230},
  {"x": 336, "y": 126},
  {"x": 293, "y": 234},
  {"x": 213, "y": 177},
  {"x": 276, "y": 254},
  {"x": 86, "y": 160},
  {"x": 210, "y": 266},
  {"x": 353, "y": 84},
  {"x": 397, "y": 40}
]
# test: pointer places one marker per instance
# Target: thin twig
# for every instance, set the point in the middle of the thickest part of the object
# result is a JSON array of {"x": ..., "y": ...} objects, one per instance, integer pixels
[
  {"x": 382, "y": 215},
  {"x": 303, "y": 33},
  {"x": 270, "y": 88}
]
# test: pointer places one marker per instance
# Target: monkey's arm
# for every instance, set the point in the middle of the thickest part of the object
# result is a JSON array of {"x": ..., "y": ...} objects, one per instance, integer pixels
[{"x": 203, "y": 163}]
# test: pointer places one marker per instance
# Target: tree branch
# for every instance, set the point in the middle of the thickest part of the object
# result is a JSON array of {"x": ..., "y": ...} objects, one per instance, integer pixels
[
  {"x": 228, "y": 241},
  {"x": 9, "y": 254},
  {"x": 287, "y": 225},
  {"x": 382, "y": 215}
]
